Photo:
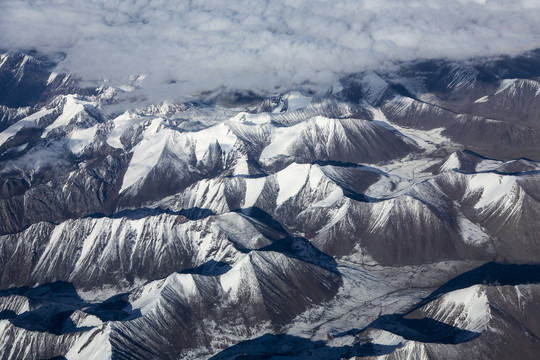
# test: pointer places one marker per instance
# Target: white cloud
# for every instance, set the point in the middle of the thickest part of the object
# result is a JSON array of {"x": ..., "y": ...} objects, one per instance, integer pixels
[{"x": 261, "y": 45}]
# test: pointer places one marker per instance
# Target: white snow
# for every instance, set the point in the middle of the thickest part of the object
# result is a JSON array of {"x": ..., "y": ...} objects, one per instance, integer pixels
[
  {"x": 148, "y": 296},
  {"x": 81, "y": 138},
  {"x": 3, "y": 59},
  {"x": 184, "y": 283},
  {"x": 27, "y": 122},
  {"x": 380, "y": 214},
  {"x": 230, "y": 281},
  {"x": 51, "y": 77},
  {"x": 241, "y": 167},
  {"x": 101, "y": 294},
  {"x": 146, "y": 154},
  {"x": 20, "y": 70},
  {"x": 315, "y": 176},
  {"x": 282, "y": 138},
  {"x": 92, "y": 345},
  {"x": 254, "y": 188},
  {"x": 507, "y": 84},
  {"x": 472, "y": 305},
  {"x": 383, "y": 337},
  {"x": 401, "y": 104},
  {"x": 219, "y": 133},
  {"x": 488, "y": 165},
  {"x": 88, "y": 320},
  {"x": 331, "y": 199},
  {"x": 121, "y": 124},
  {"x": 451, "y": 163},
  {"x": 427, "y": 140},
  {"x": 493, "y": 187},
  {"x": 72, "y": 107},
  {"x": 401, "y": 176},
  {"x": 290, "y": 181},
  {"x": 482, "y": 99},
  {"x": 296, "y": 100},
  {"x": 337, "y": 215},
  {"x": 16, "y": 303},
  {"x": 472, "y": 233},
  {"x": 511, "y": 86},
  {"x": 251, "y": 119}
]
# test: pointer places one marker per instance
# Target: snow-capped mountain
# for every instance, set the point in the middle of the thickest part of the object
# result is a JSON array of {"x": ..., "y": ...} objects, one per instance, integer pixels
[{"x": 394, "y": 217}]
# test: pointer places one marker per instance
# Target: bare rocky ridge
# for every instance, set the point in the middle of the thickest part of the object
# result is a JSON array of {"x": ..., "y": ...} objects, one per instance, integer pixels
[{"x": 293, "y": 226}]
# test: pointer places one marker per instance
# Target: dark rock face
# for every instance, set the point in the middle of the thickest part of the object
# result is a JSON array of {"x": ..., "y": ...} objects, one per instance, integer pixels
[{"x": 292, "y": 226}]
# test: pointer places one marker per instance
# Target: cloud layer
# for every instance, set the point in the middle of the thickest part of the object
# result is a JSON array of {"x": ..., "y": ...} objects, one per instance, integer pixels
[{"x": 261, "y": 45}]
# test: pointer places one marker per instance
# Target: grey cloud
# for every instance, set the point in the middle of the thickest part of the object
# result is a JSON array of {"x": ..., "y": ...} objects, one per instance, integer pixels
[{"x": 261, "y": 45}]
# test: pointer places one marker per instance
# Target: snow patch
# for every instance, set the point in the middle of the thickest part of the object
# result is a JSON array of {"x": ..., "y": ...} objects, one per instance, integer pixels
[
  {"x": 3, "y": 59},
  {"x": 337, "y": 215},
  {"x": 296, "y": 100},
  {"x": 251, "y": 119},
  {"x": 282, "y": 139},
  {"x": 81, "y": 138},
  {"x": 231, "y": 280},
  {"x": 51, "y": 78},
  {"x": 488, "y": 165},
  {"x": 493, "y": 187},
  {"x": 511, "y": 86},
  {"x": 28, "y": 122},
  {"x": 72, "y": 107},
  {"x": 148, "y": 296},
  {"x": 92, "y": 345},
  {"x": 254, "y": 188},
  {"x": 121, "y": 124},
  {"x": 471, "y": 304},
  {"x": 428, "y": 140},
  {"x": 483, "y": 99},
  {"x": 387, "y": 338},
  {"x": 146, "y": 154},
  {"x": 331, "y": 199},
  {"x": 451, "y": 163},
  {"x": 471, "y": 233},
  {"x": 315, "y": 176},
  {"x": 380, "y": 214},
  {"x": 241, "y": 167},
  {"x": 290, "y": 181},
  {"x": 219, "y": 133},
  {"x": 81, "y": 319}
]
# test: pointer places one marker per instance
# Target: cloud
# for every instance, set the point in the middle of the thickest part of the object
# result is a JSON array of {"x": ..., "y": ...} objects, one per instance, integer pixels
[{"x": 186, "y": 47}]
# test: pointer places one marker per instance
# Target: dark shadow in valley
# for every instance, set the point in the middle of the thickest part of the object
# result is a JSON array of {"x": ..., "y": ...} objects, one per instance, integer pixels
[
  {"x": 292, "y": 347},
  {"x": 115, "y": 308},
  {"x": 244, "y": 176},
  {"x": 284, "y": 243},
  {"x": 348, "y": 165},
  {"x": 475, "y": 154},
  {"x": 488, "y": 274},
  {"x": 353, "y": 179},
  {"x": 302, "y": 249},
  {"x": 424, "y": 330},
  {"x": 433, "y": 331},
  {"x": 52, "y": 305},
  {"x": 506, "y": 173},
  {"x": 194, "y": 213},
  {"x": 209, "y": 268},
  {"x": 263, "y": 222}
]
